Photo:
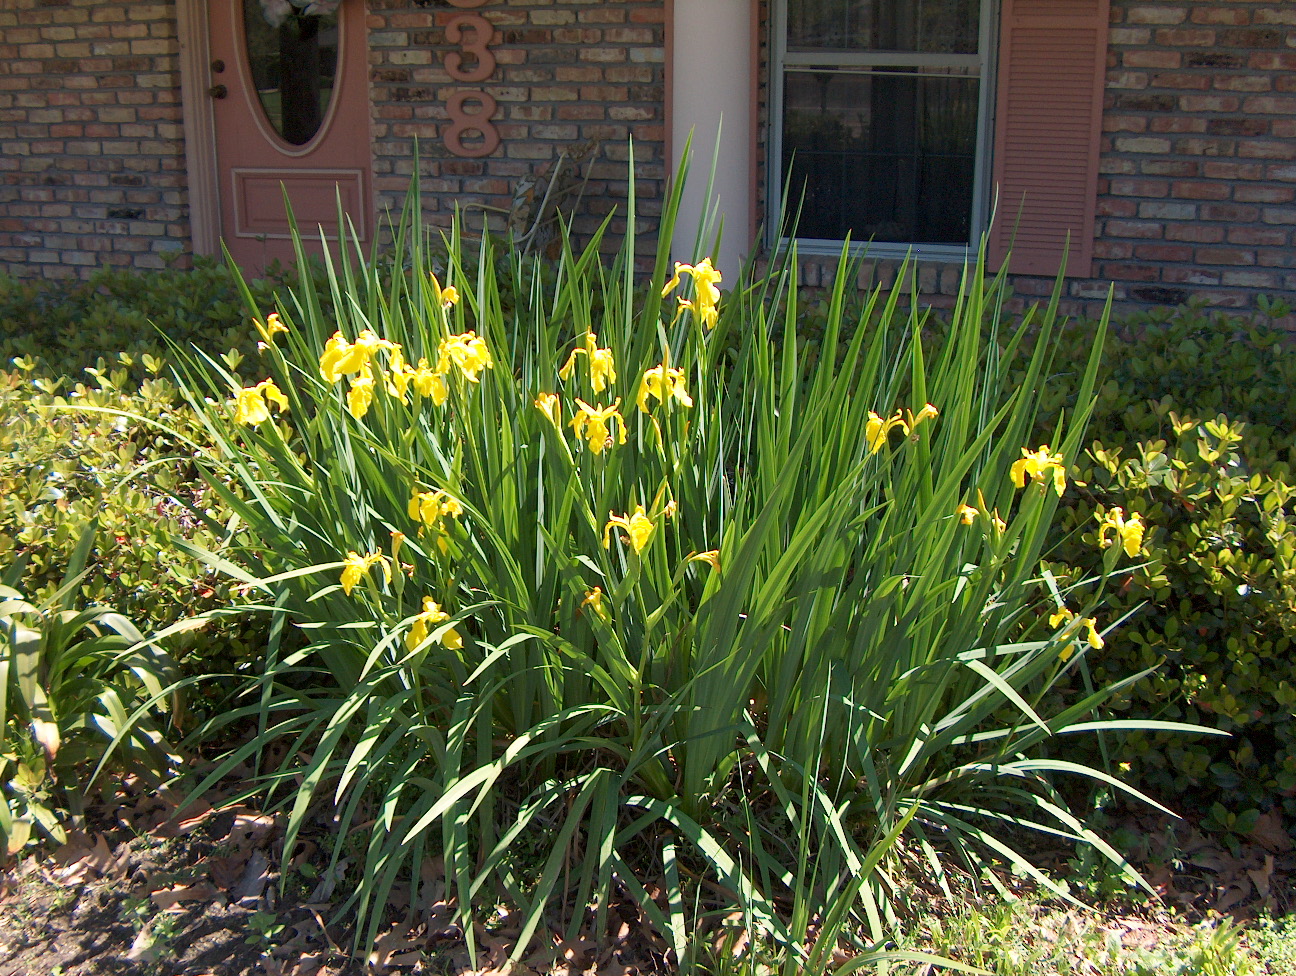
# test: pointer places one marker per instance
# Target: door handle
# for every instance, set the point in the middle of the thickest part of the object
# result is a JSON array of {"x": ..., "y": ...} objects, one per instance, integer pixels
[{"x": 217, "y": 91}]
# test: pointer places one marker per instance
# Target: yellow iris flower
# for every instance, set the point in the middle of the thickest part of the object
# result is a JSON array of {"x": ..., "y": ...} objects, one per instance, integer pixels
[
  {"x": 711, "y": 557},
  {"x": 1093, "y": 637},
  {"x": 268, "y": 329},
  {"x": 876, "y": 429},
  {"x": 429, "y": 383},
  {"x": 706, "y": 296},
  {"x": 661, "y": 382},
  {"x": 446, "y": 297},
  {"x": 361, "y": 394},
  {"x": 431, "y": 616},
  {"x": 342, "y": 358},
  {"x": 1061, "y": 616},
  {"x": 592, "y": 423},
  {"x": 250, "y": 402},
  {"x": 913, "y": 421},
  {"x": 549, "y": 405},
  {"x": 1038, "y": 465},
  {"x": 967, "y": 514},
  {"x": 1065, "y": 616},
  {"x": 602, "y": 365},
  {"x": 399, "y": 375},
  {"x": 1128, "y": 530},
  {"x": 433, "y": 507},
  {"x": 468, "y": 352},
  {"x": 638, "y": 526},
  {"x": 357, "y": 567},
  {"x": 594, "y": 600}
]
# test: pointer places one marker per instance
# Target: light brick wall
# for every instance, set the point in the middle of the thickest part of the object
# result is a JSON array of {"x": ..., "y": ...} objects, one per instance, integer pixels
[
  {"x": 567, "y": 71},
  {"x": 91, "y": 146}
]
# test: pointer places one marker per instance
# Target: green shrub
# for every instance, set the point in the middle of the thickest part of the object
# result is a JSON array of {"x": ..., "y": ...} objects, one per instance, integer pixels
[
  {"x": 59, "y": 328},
  {"x": 1194, "y": 429},
  {"x": 79, "y": 689},
  {"x": 69, "y": 351},
  {"x": 87, "y": 457}
]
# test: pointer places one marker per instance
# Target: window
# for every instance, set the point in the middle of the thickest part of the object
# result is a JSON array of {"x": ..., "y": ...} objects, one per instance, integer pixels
[{"x": 880, "y": 115}]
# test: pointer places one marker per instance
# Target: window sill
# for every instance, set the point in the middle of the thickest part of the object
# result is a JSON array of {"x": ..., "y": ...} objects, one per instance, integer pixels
[{"x": 936, "y": 253}]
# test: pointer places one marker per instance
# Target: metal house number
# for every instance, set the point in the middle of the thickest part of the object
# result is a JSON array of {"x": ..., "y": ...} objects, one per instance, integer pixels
[{"x": 470, "y": 109}]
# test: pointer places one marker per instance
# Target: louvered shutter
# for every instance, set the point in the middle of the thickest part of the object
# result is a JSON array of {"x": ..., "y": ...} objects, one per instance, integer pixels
[{"x": 1052, "y": 56}]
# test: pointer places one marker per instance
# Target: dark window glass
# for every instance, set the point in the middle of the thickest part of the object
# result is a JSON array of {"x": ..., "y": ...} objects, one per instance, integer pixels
[
  {"x": 931, "y": 26},
  {"x": 882, "y": 155},
  {"x": 294, "y": 66}
]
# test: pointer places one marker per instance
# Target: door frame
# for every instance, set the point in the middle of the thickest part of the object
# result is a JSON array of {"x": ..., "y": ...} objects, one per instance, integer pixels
[
  {"x": 199, "y": 117},
  {"x": 199, "y": 126}
]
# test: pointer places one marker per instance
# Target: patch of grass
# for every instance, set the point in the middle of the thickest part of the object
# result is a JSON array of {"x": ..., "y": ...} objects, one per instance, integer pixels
[
  {"x": 1024, "y": 938},
  {"x": 1273, "y": 940}
]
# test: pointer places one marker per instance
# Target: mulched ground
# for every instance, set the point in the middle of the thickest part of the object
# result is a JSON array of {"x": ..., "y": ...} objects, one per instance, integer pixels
[
  {"x": 150, "y": 891},
  {"x": 195, "y": 892}
]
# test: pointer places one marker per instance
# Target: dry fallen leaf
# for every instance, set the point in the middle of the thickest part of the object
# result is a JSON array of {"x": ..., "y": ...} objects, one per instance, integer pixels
[
  {"x": 83, "y": 859},
  {"x": 1260, "y": 877},
  {"x": 1271, "y": 834},
  {"x": 170, "y": 897},
  {"x": 395, "y": 948}
]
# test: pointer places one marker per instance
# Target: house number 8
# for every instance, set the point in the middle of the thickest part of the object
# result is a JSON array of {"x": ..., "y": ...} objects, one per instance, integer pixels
[{"x": 462, "y": 121}]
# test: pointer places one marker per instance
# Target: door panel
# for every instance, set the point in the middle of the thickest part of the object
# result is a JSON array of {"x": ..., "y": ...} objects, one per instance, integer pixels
[{"x": 289, "y": 101}]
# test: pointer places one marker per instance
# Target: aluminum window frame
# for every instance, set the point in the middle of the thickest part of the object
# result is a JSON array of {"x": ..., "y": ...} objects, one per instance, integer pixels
[{"x": 845, "y": 61}]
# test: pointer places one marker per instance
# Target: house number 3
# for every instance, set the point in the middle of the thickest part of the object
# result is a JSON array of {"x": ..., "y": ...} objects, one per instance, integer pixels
[{"x": 472, "y": 32}]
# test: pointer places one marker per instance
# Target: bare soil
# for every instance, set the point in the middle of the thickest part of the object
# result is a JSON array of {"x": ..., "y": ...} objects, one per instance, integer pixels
[{"x": 150, "y": 890}]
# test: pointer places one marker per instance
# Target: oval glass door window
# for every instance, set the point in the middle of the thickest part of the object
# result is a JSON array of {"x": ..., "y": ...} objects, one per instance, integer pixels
[{"x": 294, "y": 57}]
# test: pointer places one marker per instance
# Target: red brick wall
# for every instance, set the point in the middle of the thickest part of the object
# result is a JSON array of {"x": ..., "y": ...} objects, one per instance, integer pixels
[
  {"x": 1199, "y": 160},
  {"x": 1198, "y": 169},
  {"x": 568, "y": 71},
  {"x": 1197, "y": 195},
  {"x": 91, "y": 147}
]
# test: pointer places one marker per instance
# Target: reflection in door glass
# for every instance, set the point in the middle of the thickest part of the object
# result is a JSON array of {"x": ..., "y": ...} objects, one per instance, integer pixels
[{"x": 294, "y": 58}]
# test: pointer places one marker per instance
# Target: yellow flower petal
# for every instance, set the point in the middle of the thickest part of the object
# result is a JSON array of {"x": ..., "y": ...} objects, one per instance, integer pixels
[
  {"x": 1038, "y": 466},
  {"x": 876, "y": 430},
  {"x": 594, "y": 600},
  {"x": 594, "y": 424},
  {"x": 638, "y": 526},
  {"x": 361, "y": 394},
  {"x": 1129, "y": 530},
  {"x": 250, "y": 402},
  {"x": 356, "y": 567},
  {"x": 1094, "y": 638},
  {"x": 661, "y": 382},
  {"x": 551, "y": 407},
  {"x": 711, "y": 557},
  {"x": 468, "y": 352},
  {"x": 249, "y": 407},
  {"x": 706, "y": 295},
  {"x": 1061, "y": 616}
]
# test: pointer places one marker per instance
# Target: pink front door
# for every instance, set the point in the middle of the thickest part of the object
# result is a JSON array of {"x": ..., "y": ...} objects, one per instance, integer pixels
[{"x": 290, "y": 94}]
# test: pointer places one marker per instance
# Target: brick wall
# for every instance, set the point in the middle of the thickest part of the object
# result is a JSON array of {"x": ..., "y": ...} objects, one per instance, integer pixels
[
  {"x": 1198, "y": 169},
  {"x": 1197, "y": 194},
  {"x": 91, "y": 147},
  {"x": 568, "y": 72},
  {"x": 1199, "y": 160}
]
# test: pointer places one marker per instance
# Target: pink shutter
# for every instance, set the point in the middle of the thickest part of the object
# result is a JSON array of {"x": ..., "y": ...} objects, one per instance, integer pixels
[{"x": 1052, "y": 58}]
